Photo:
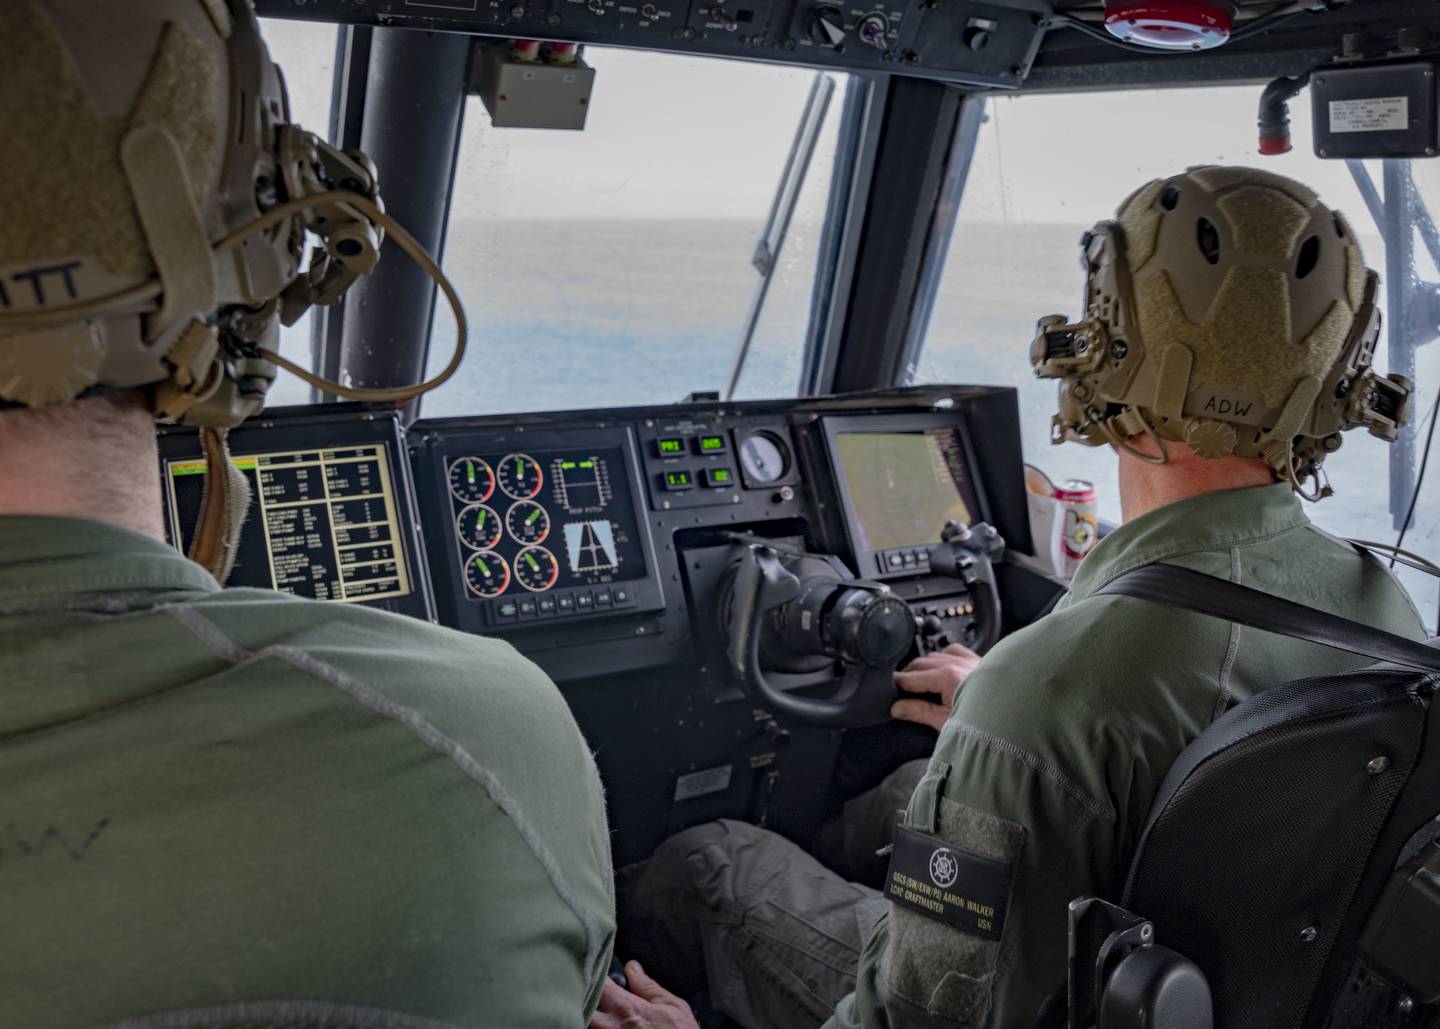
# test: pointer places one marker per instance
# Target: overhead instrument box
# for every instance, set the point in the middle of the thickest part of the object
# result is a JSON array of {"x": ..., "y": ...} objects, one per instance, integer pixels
[{"x": 1376, "y": 109}]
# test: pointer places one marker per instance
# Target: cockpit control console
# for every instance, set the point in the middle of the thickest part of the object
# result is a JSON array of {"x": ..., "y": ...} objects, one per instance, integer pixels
[{"x": 719, "y": 589}]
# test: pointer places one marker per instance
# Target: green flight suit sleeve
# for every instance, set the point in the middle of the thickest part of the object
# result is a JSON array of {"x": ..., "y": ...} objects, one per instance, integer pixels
[
  {"x": 1026, "y": 773},
  {"x": 991, "y": 799}
]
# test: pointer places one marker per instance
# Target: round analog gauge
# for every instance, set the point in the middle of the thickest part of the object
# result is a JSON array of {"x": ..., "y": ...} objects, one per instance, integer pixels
[
  {"x": 537, "y": 569},
  {"x": 487, "y": 574},
  {"x": 479, "y": 527},
  {"x": 764, "y": 458},
  {"x": 471, "y": 480},
  {"x": 520, "y": 476},
  {"x": 528, "y": 523}
]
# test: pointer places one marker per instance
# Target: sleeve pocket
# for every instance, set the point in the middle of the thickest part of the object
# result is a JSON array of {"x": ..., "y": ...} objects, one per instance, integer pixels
[{"x": 931, "y": 965}]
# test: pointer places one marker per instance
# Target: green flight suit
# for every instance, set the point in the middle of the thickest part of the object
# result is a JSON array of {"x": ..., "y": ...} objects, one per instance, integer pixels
[
  {"x": 236, "y": 801},
  {"x": 1050, "y": 760},
  {"x": 1058, "y": 743}
]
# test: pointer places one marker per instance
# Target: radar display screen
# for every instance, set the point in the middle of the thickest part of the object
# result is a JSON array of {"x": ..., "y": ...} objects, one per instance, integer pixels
[
  {"x": 541, "y": 521},
  {"x": 323, "y": 523},
  {"x": 904, "y": 486}
]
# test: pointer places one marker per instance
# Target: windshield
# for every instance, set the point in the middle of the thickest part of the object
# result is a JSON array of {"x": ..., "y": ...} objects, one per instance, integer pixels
[
  {"x": 1045, "y": 168},
  {"x": 306, "y": 50},
  {"x": 614, "y": 266}
]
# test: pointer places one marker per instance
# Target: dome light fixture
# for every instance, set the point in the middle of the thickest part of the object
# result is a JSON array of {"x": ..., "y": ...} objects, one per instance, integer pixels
[{"x": 1171, "y": 24}]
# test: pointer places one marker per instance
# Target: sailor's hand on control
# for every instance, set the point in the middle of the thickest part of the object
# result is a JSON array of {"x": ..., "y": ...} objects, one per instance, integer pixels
[
  {"x": 645, "y": 1005},
  {"x": 941, "y": 673}
]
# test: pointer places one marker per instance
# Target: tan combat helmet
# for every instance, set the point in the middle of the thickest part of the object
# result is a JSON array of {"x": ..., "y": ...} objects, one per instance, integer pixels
[
  {"x": 154, "y": 214},
  {"x": 1228, "y": 309}
]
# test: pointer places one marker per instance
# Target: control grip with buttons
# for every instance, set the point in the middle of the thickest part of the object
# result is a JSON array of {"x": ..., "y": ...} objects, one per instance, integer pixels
[
  {"x": 968, "y": 553},
  {"x": 782, "y": 609}
]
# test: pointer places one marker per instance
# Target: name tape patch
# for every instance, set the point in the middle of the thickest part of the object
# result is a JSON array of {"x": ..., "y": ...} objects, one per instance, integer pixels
[{"x": 965, "y": 891}]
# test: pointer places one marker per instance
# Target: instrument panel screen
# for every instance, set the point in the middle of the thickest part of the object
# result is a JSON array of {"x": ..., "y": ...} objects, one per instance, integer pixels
[
  {"x": 904, "y": 486},
  {"x": 323, "y": 523},
  {"x": 529, "y": 523}
]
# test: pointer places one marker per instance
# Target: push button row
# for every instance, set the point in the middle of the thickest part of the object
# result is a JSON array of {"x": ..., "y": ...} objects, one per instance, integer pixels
[
  {"x": 568, "y": 603},
  {"x": 904, "y": 559}
]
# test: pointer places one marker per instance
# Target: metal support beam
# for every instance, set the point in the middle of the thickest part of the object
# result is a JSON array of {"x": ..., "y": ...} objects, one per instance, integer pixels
[
  {"x": 856, "y": 149},
  {"x": 347, "y": 113},
  {"x": 414, "y": 105},
  {"x": 916, "y": 143},
  {"x": 777, "y": 227},
  {"x": 942, "y": 231},
  {"x": 1400, "y": 286}
]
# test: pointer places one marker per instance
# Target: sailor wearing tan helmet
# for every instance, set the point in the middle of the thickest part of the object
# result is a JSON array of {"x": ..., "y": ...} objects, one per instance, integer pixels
[{"x": 1226, "y": 343}]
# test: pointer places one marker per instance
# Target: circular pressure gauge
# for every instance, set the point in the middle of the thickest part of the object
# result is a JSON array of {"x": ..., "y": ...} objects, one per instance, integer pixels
[
  {"x": 537, "y": 569},
  {"x": 486, "y": 574},
  {"x": 479, "y": 527},
  {"x": 528, "y": 523},
  {"x": 765, "y": 458},
  {"x": 520, "y": 476},
  {"x": 471, "y": 480}
]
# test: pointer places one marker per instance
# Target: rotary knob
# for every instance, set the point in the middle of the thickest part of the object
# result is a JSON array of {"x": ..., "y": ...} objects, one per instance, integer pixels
[
  {"x": 872, "y": 30},
  {"x": 827, "y": 26}
]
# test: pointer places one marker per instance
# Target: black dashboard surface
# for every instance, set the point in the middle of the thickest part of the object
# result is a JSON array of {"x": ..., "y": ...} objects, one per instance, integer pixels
[
  {"x": 520, "y": 525},
  {"x": 602, "y": 544}
]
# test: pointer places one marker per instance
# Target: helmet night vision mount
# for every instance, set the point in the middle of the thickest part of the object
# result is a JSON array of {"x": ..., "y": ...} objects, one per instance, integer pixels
[
  {"x": 157, "y": 207},
  {"x": 1229, "y": 310}
]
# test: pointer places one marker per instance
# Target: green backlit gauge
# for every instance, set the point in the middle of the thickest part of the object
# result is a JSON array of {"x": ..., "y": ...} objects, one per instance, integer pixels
[
  {"x": 487, "y": 574},
  {"x": 520, "y": 476},
  {"x": 479, "y": 527},
  {"x": 537, "y": 569},
  {"x": 528, "y": 523},
  {"x": 471, "y": 480}
]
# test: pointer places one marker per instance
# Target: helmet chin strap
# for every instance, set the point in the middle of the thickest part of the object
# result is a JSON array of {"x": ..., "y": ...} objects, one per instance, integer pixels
[{"x": 224, "y": 501}]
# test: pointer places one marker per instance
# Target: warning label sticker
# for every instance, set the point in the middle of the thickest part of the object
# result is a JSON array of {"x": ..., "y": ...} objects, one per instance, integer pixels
[
  {"x": 698, "y": 784},
  {"x": 1370, "y": 114}
]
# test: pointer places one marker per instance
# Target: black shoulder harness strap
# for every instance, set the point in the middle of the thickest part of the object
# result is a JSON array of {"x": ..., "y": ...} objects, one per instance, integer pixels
[{"x": 1190, "y": 590}]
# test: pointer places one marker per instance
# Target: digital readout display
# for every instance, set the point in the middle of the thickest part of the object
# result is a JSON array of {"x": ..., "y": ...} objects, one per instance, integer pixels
[
  {"x": 904, "y": 486},
  {"x": 323, "y": 524},
  {"x": 528, "y": 523}
]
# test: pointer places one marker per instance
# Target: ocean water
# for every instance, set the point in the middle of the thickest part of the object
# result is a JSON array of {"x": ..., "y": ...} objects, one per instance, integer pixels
[{"x": 601, "y": 313}]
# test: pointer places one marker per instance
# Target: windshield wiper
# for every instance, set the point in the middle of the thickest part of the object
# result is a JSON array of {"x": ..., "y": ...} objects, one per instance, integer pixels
[{"x": 787, "y": 196}]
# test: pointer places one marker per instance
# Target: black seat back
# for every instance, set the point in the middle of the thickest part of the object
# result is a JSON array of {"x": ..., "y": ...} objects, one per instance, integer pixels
[{"x": 1276, "y": 831}]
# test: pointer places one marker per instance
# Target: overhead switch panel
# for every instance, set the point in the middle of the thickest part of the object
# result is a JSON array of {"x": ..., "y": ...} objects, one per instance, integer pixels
[{"x": 974, "y": 42}]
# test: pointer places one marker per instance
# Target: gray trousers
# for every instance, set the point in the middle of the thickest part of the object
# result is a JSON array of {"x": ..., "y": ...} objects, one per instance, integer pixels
[{"x": 770, "y": 932}]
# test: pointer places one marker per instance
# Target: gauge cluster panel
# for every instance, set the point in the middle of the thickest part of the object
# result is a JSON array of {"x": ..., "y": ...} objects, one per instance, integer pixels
[
  {"x": 535, "y": 525},
  {"x": 696, "y": 461}
]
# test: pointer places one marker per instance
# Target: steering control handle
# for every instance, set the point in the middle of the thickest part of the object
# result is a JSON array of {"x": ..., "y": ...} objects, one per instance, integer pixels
[
  {"x": 862, "y": 625},
  {"x": 969, "y": 553}
]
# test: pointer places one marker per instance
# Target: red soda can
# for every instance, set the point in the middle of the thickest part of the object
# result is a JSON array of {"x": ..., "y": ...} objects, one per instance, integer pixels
[{"x": 1079, "y": 521}]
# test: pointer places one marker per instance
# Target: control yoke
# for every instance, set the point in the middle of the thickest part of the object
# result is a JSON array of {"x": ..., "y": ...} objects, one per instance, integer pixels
[{"x": 789, "y": 611}]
